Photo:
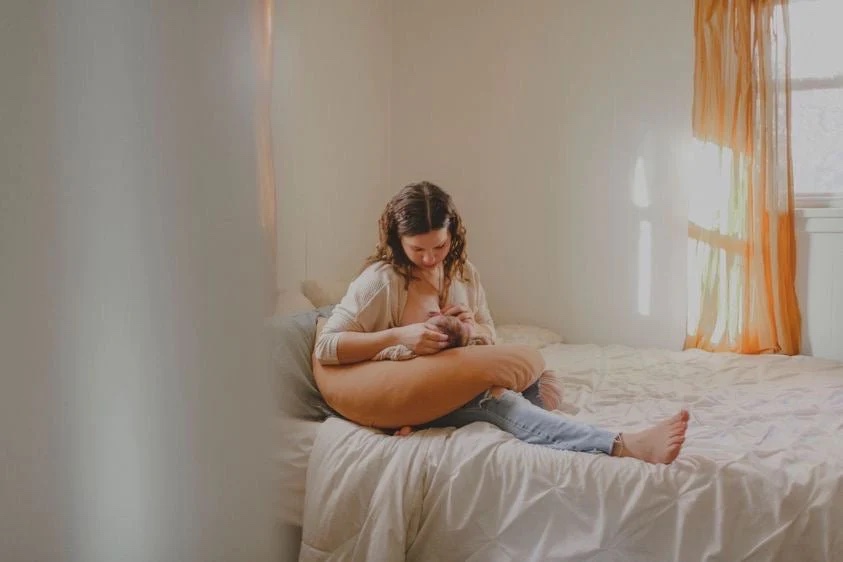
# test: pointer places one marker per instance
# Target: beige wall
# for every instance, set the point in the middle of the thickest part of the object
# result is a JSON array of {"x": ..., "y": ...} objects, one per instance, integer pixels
[
  {"x": 535, "y": 116},
  {"x": 331, "y": 127}
]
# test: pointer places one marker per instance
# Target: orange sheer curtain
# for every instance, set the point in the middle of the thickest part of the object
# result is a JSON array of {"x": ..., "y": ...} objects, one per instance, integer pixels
[
  {"x": 742, "y": 261},
  {"x": 263, "y": 127}
]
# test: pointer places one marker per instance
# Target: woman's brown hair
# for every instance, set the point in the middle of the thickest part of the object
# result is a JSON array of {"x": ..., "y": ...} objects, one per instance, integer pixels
[{"x": 418, "y": 209}]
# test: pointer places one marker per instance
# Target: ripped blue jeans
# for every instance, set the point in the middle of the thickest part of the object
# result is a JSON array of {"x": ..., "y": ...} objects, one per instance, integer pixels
[{"x": 522, "y": 416}]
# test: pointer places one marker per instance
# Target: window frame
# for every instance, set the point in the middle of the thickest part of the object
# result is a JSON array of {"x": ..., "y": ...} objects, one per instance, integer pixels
[{"x": 817, "y": 199}]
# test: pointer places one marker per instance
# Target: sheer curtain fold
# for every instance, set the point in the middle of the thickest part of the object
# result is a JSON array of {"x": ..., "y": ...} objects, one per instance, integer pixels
[
  {"x": 742, "y": 262},
  {"x": 262, "y": 25}
]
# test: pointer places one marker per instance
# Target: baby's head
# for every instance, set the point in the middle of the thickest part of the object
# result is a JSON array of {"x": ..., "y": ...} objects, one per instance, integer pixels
[{"x": 457, "y": 331}]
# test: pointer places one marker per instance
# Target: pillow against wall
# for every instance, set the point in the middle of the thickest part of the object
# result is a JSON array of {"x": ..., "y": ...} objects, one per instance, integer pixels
[
  {"x": 293, "y": 336},
  {"x": 324, "y": 293},
  {"x": 292, "y": 302},
  {"x": 525, "y": 334}
]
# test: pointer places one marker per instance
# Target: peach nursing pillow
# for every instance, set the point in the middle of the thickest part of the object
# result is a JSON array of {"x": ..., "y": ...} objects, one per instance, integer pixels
[{"x": 391, "y": 394}]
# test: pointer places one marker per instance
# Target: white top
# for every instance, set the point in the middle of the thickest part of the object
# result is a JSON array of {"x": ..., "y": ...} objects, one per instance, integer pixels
[{"x": 375, "y": 301}]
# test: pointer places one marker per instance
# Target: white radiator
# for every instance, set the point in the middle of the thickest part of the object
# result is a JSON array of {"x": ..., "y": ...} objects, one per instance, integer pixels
[{"x": 820, "y": 281}]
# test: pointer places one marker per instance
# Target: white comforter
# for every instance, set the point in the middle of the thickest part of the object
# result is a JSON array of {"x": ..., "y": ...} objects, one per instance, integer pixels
[{"x": 758, "y": 479}]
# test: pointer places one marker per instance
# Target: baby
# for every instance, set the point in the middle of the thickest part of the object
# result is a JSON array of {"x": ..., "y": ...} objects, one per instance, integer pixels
[
  {"x": 458, "y": 332},
  {"x": 545, "y": 392}
]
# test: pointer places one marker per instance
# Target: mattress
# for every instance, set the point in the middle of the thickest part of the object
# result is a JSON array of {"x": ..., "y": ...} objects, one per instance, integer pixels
[
  {"x": 759, "y": 477},
  {"x": 294, "y": 442}
]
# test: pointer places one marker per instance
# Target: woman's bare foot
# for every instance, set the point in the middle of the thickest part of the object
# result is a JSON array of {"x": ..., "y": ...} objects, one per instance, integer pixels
[{"x": 658, "y": 444}]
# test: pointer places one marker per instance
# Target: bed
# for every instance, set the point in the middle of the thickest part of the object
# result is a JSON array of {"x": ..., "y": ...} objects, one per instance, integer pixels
[{"x": 759, "y": 477}]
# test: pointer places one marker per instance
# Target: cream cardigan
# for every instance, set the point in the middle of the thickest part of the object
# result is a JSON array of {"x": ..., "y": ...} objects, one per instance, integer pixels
[{"x": 375, "y": 301}]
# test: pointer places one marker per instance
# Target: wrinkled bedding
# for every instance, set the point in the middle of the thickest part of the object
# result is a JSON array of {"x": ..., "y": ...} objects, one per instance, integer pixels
[{"x": 759, "y": 477}]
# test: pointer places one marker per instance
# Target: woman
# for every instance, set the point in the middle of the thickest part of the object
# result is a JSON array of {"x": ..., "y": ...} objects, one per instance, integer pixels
[{"x": 421, "y": 259}]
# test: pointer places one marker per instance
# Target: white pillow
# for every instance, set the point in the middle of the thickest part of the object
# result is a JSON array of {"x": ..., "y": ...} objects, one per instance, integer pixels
[
  {"x": 292, "y": 302},
  {"x": 323, "y": 293},
  {"x": 533, "y": 336}
]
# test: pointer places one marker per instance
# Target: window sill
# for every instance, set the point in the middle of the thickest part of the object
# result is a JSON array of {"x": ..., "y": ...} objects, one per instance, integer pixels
[
  {"x": 819, "y": 212},
  {"x": 819, "y": 220},
  {"x": 820, "y": 205}
]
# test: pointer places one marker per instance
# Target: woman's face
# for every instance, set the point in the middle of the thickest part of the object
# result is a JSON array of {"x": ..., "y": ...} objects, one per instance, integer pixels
[{"x": 428, "y": 250}]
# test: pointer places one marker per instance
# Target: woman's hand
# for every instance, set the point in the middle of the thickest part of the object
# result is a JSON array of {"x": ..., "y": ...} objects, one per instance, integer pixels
[
  {"x": 462, "y": 312},
  {"x": 422, "y": 338}
]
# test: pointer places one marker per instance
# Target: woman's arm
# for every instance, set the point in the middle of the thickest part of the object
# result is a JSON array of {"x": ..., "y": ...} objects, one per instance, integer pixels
[
  {"x": 482, "y": 315},
  {"x": 359, "y": 327},
  {"x": 362, "y": 346},
  {"x": 364, "y": 312},
  {"x": 421, "y": 339},
  {"x": 484, "y": 331},
  {"x": 477, "y": 312}
]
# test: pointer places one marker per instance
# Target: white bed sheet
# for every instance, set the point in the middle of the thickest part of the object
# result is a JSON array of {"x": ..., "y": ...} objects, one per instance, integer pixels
[{"x": 759, "y": 477}]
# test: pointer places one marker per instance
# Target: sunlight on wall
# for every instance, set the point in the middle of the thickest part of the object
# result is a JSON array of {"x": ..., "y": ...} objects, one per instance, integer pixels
[
  {"x": 641, "y": 199},
  {"x": 645, "y": 267},
  {"x": 640, "y": 190}
]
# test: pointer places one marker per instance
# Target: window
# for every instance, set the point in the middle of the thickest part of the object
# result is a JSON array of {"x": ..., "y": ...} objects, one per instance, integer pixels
[{"x": 816, "y": 44}]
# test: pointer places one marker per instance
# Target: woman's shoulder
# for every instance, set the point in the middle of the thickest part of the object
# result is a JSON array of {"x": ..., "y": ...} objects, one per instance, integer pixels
[
  {"x": 375, "y": 278},
  {"x": 380, "y": 271},
  {"x": 470, "y": 273}
]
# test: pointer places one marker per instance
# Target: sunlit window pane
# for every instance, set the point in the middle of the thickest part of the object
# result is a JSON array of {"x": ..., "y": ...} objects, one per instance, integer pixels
[
  {"x": 817, "y": 137},
  {"x": 816, "y": 40}
]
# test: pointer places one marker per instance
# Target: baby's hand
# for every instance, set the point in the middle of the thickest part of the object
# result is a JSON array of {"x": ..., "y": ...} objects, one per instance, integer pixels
[{"x": 404, "y": 431}]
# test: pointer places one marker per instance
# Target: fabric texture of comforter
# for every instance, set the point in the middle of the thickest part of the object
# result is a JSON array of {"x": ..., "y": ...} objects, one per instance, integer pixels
[{"x": 759, "y": 477}]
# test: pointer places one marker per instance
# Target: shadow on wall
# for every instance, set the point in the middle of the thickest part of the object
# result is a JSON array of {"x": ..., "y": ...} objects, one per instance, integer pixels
[{"x": 625, "y": 200}]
